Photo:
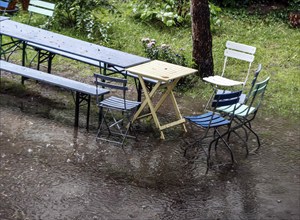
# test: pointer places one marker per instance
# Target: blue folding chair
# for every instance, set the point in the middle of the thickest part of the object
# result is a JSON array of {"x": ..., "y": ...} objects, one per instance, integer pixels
[
  {"x": 213, "y": 120},
  {"x": 4, "y": 5},
  {"x": 115, "y": 112}
]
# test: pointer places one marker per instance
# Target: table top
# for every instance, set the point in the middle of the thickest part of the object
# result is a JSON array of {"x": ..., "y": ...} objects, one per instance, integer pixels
[
  {"x": 160, "y": 70},
  {"x": 3, "y": 18},
  {"x": 70, "y": 45}
]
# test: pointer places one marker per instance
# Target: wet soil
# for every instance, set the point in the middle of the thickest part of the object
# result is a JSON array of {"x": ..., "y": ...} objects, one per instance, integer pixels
[{"x": 50, "y": 170}]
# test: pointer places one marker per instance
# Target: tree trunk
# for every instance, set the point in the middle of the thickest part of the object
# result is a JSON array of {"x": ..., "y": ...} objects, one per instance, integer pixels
[
  {"x": 12, "y": 5},
  {"x": 202, "y": 39},
  {"x": 25, "y": 4}
]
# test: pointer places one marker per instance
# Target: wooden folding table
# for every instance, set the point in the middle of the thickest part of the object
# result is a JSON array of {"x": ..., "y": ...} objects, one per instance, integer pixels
[{"x": 168, "y": 75}]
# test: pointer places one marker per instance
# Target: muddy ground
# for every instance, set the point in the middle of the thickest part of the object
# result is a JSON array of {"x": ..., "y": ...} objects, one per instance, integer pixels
[{"x": 49, "y": 170}]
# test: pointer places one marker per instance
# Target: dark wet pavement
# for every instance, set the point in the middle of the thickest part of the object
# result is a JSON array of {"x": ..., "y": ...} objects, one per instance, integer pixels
[{"x": 48, "y": 170}]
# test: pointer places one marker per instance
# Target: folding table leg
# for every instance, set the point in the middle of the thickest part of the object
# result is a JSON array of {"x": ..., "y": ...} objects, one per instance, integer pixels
[
  {"x": 148, "y": 102},
  {"x": 145, "y": 102},
  {"x": 170, "y": 93}
]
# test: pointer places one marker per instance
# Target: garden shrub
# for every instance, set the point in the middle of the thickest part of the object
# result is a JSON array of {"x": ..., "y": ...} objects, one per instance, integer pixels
[
  {"x": 163, "y": 52},
  {"x": 84, "y": 16},
  {"x": 169, "y": 12}
]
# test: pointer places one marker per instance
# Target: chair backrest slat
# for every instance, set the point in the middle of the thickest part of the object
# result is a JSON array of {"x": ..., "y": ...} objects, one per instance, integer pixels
[
  {"x": 42, "y": 4},
  {"x": 106, "y": 84},
  {"x": 240, "y": 47},
  {"x": 110, "y": 82},
  {"x": 42, "y": 8},
  {"x": 4, "y": 4},
  {"x": 239, "y": 55},
  {"x": 226, "y": 99},
  {"x": 256, "y": 73},
  {"x": 41, "y": 11},
  {"x": 241, "y": 52},
  {"x": 257, "y": 95},
  {"x": 260, "y": 87}
]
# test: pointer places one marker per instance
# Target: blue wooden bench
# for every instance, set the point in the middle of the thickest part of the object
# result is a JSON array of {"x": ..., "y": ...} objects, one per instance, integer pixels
[{"x": 83, "y": 91}]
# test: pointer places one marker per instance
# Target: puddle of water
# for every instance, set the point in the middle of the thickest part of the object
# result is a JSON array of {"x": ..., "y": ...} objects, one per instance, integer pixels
[{"x": 48, "y": 170}]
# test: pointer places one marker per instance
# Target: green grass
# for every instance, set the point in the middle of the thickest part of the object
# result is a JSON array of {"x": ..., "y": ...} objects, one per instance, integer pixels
[{"x": 278, "y": 50}]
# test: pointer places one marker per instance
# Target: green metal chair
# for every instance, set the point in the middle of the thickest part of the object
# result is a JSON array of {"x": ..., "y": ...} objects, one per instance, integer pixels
[
  {"x": 245, "y": 113},
  {"x": 214, "y": 121},
  {"x": 115, "y": 112}
]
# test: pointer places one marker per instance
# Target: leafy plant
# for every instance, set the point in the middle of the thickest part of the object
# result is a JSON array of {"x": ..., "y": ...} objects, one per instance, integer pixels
[
  {"x": 163, "y": 52},
  {"x": 215, "y": 20},
  {"x": 171, "y": 12},
  {"x": 81, "y": 15}
]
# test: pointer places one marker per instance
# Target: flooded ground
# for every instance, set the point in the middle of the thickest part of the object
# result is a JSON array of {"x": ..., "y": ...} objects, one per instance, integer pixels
[{"x": 49, "y": 170}]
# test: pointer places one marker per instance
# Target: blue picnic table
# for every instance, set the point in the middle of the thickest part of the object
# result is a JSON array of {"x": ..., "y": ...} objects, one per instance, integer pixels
[{"x": 67, "y": 46}]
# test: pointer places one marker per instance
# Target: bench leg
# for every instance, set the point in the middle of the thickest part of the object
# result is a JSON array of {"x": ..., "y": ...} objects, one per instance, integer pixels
[
  {"x": 88, "y": 112},
  {"x": 78, "y": 100},
  {"x": 77, "y": 103},
  {"x": 23, "y": 60}
]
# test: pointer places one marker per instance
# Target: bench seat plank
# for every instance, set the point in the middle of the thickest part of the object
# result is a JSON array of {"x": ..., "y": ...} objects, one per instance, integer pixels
[{"x": 50, "y": 79}]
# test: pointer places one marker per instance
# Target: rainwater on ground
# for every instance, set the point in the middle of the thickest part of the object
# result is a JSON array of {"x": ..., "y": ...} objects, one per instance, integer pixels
[{"x": 50, "y": 170}]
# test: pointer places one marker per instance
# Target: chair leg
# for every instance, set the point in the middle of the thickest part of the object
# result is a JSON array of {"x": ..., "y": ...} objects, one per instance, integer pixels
[
  {"x": 102, "y": 122},
  {"x": 227, "y": 145},
  {"x": 247, "y": 125},
  {"x": 257, "y": 137},
  {"x": 115, "y": 126},
  {"x": 245, "y": 142},
  {"x": 208, "y": 156},
  {"x": 241, "y": 123}
]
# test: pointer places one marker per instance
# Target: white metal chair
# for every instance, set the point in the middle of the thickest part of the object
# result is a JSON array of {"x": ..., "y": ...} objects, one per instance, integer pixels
[
  {"x": 115, "y": 112},
  {"x": 235, "y": 52},
  {"x": 238, "y": 51}
]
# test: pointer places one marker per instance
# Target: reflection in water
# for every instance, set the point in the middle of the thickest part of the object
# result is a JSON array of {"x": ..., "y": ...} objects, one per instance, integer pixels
[{"x": 49, "y": 170}]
